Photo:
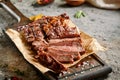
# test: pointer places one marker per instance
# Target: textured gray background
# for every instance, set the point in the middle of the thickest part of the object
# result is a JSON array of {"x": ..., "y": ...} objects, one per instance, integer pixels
[{"x": 102, "y": 24}]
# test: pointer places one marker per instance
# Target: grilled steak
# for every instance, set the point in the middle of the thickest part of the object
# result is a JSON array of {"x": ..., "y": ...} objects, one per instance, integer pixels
[
  {"x": 50, "y": 62},
  {"x": 55, "y": 40},
  {"x": 58, "y": 27},
  {"x": 67, "y": 56},
  {"x": 67, "y": 44},
  {"x": 61, "y": 57}
]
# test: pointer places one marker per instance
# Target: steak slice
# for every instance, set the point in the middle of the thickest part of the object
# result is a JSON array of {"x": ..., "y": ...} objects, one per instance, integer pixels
[
  {"x": 67, "y": 45},
  {"x": 64, "y": 57},
  {"x": 50, "y": 62},
  {"x": 69, "y": 48},
  {"x": 39, "y": 45},
  {"x": 65, "y": 42},
  {"x": 31, "y": 31},
  {"x": 61, "y": 56}
]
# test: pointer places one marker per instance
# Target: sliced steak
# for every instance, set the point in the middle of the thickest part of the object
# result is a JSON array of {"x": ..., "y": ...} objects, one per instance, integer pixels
[
  {"x": 32, "y": 31},
  {"x": 75, "y": 55},
  {"x": 39, "y": 45},
  {"x": 69, "y": 48},
  {"x": 59, "y": 27},
  {"x": 61, "y": 56},
  {"x": 55, "y": 40},
  {"x": 50, "y": 62},
  {"x": 65, "y": 42}
]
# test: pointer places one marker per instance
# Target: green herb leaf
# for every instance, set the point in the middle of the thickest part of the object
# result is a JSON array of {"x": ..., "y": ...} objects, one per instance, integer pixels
[{"x": 79, "y": 14}]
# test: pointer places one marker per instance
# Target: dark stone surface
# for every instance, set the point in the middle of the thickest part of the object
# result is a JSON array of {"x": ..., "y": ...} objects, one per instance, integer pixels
[{"x": 104, "y": 25}]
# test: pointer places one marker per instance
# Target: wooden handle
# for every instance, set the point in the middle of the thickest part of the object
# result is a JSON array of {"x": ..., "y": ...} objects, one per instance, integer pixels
[{"x": 7, "y": 5}]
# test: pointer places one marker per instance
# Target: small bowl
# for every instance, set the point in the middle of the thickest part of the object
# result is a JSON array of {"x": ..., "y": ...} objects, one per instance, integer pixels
[
  {"x": 75, "y": 2},
  {"x": 43, "y": 2}
]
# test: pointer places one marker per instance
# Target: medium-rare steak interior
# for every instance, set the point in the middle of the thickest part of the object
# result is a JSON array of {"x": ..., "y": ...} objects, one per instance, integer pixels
[{"x": 55, "y": 41}]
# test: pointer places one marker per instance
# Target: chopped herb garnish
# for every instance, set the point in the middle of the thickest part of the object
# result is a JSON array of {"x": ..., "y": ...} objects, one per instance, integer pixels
[{"x": 79, "y": 14}]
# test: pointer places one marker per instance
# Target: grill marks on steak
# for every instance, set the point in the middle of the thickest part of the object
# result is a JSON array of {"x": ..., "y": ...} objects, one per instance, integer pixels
[
  {"x": 32, "y": 31},
  {"x": 56, "y": 40},
  {"x": 58, "y": 27}
]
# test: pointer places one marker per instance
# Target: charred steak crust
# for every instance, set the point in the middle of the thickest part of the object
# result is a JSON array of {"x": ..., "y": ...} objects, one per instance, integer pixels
[
  {"x": 54, "y": 40},
  {"x": 57, "y": 27}
]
